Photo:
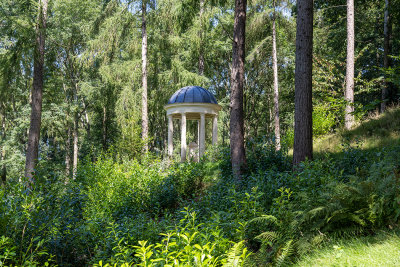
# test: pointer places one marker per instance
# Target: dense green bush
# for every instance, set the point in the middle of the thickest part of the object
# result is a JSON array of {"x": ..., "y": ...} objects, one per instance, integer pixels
[
  {"x": 154, "y": 212},
  {"x": 325, "y": 201},
  {"x": 262, "y": 156},
  {"x": 189, "y": 243},
  {"x": 324, "y": 118}
]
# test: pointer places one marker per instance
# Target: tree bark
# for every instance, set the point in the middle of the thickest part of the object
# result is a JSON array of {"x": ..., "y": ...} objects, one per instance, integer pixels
[
  {"x": 201, "y": 50},
  {"x": 3, "y": 151},
  {"x": 67, "y": 153},
  {"x": 303, "y": 83},
  {"x": 238, "y": 156},
  {"x": 75, "y": 134},
  {"x": 386, "y": 52},
  {"x": 145, "y": 122},
  {"x": 3, "y": 168},
  {"x": 75, "y": 143},
  {"x": 349, "y": 91},
  {"x": 87, "y": 121},
  {"x": 32, "y": 151},
  {"x": 276, "y": 85}
]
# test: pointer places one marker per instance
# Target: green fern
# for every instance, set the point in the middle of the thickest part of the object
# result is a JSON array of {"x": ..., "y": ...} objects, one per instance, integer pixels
[
  {"x": 346, "y": 215},
  {"x": 270, "y": 237},
  {"x": 283, "y": 255},
  {"x": 236, "y": 255},
  {"x": 265, "y": 219}
]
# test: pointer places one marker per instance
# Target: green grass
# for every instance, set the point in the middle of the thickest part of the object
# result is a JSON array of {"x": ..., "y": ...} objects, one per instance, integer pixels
[
  {"x": 377, "y": 131},
  {"x": 380, "y": 250}
]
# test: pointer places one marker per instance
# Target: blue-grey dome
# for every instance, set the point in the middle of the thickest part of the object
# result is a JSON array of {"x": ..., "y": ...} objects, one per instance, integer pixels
[{"x": 192, "y": 94}]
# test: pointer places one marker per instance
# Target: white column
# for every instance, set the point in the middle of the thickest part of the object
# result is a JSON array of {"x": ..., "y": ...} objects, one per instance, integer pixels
[
  {"x": 183, "y": 137},
  {"x": 170, "y": 135},
  {"x": 198, "y": 139},
  {"x": 198, "y": 132},
  {"x": 215, "y": 130},
  {"x": 202, "y": 145}
]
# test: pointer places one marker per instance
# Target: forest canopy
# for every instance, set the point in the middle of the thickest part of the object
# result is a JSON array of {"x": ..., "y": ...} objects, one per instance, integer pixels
[{"x": 92, "y": 75}]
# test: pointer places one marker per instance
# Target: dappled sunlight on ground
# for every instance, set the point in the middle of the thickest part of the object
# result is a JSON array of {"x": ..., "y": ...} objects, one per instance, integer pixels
[
  {"x": 376, "y": 132},
  {"x": 380, "y": 250}
]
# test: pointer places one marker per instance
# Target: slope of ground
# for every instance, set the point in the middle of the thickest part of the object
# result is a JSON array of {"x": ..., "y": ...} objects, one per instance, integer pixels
[{"x": 376, "y": 132}]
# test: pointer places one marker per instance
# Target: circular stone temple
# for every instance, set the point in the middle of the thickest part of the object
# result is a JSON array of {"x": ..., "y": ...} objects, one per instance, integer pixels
[{"x": 192, "y": 103}]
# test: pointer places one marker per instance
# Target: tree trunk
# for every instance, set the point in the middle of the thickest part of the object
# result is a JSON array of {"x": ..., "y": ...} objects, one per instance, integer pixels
[
  {"x": 238, "y": 156},
  {"x": 32, "y": 151},
  {"x": 75, "y": 141},
  {"x": 3, "y": 168},
  {"x": 276, "y": 86},
  {"x": 386, "y": 52},
  {"x": 145, "y": 122},
  {"x": 349, "y": 91},
  {"x": 3, "y": 151},
  {"x": 75, "y": 134},
  {"x": 87, "y": 121},
  {"x": 201, "y": 50},
  {"x": 67, "y": 153},
  {"x": 270, "y": 116},
  {"x": 303, "y": 83}
]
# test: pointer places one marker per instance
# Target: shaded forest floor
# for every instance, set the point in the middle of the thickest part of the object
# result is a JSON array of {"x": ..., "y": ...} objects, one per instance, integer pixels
[{"x": 334, "y": 210}]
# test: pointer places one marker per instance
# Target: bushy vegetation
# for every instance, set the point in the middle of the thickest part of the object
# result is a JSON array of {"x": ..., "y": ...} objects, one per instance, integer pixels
[{"x": 155, "y": 213}]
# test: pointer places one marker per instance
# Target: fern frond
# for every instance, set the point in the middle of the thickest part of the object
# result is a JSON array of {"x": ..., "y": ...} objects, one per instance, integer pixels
[
  {"x": 353, "y": 190},
  {"x": 234, "y": 256},
  {"x": 285, "y": 253},
  {"x": 265, "y": 219},
  {"x": 268, "y": 237},
  {"x": 348, "y": 232},
  {"x": 345, "y": 214},
  {"x": 316, "y": 212}
]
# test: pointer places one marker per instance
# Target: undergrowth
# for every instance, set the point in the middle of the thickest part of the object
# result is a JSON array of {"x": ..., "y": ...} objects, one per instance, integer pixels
[{"x": 195, "y": 214}]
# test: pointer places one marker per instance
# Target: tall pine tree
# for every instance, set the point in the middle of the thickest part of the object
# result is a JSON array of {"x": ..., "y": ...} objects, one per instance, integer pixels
[
  {"x": 349, "y": 91},
  {"x": 238, "y": 156},
  {"x": 32, "y": 151},
  {"x": 303, "y": 83}
]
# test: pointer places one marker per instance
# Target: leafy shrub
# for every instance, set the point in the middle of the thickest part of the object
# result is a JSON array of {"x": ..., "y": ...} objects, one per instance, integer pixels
[
  {"x": 262, "y": 155},
  {"x": 352, "y": 158},
  {"x": 100, "y": 217},
  {"x": 24, "y": 218},
  {"x": 188, "y": 244},
  {"x": 117, "y": 190},
  {"x": 188, "y": 178},
  {"x": 324, "y": 119},
  {"x": 288, "y": 137}
]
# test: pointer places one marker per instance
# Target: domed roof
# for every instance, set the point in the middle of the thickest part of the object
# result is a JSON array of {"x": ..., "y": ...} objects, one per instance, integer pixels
[{"x": 192, "y": 94}]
